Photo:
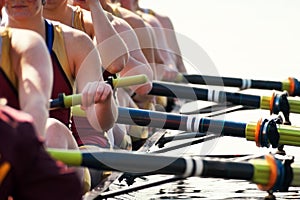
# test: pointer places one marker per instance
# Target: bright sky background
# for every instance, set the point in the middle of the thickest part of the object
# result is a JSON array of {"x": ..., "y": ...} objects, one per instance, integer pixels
[{"x": 243, "y": 38}]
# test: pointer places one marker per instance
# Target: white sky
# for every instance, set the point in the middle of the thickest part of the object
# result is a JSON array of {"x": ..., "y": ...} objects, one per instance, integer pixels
[{"x": 243, "y": 38}]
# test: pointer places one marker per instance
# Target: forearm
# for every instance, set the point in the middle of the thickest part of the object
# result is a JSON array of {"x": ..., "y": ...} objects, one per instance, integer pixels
[
  {"x": 38, "y": 112},
  {"x": 102, "y": 116},
  {"x": 134, "y": 67},
  {"x": 107, "y": 39}
]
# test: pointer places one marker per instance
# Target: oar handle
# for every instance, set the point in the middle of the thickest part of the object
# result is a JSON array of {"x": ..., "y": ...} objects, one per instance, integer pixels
[
  {"x": 129, "y": 81},
  {"x": 64, "y": 101}
]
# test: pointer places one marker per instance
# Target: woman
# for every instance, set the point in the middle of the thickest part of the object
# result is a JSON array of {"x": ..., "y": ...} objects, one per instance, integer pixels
[{"x": 75, "y": 63}]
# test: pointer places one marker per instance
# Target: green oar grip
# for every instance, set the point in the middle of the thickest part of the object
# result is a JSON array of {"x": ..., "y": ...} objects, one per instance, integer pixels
[
  {"x": 129, "y": 80},
  {"x": 71, "y": 100},
  {"x": 179, "y": 78},
  {"x": 69, "y": 157}
]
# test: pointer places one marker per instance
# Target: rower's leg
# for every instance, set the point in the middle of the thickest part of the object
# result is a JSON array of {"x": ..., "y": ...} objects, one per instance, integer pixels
[{"x": 59, "y": 136}]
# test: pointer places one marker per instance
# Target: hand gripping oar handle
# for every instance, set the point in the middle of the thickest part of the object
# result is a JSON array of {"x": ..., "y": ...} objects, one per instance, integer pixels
[
  {"x": 291, "y": 85},
  {"x": 67, "y": 101},
  {"x": 270, "y": 173}
]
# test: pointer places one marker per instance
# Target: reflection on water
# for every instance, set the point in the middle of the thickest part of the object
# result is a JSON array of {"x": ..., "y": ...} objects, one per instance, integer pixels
[{"x": 204, "y": 188}]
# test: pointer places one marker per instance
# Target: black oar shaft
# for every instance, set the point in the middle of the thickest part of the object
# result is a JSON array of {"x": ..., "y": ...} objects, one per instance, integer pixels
[
  {"x": 134, "y": 163},
  {"x": 193, "y": 93},
  {"x": 159, "y": 164},
  {"x": 270, "y": 172},
  {"x": 180, "y": 122},
  {"x": 230, "y": 170},
  {"x": 233, "y": 82}
]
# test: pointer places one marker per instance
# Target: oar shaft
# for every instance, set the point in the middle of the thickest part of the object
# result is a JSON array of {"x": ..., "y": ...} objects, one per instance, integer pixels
[
  {"x": 157, "y": 164},
  {"x": 180, "y": 122},
  {"x": 260, "y": 171},
  {"x": 193, "y": 93},
  {"x": 243, "y": 83}
]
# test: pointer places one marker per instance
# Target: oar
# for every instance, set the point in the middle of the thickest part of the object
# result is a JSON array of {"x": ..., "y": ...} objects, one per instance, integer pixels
[
  {"x": 291, "y": 84},
  {"x": 275, "y": 103},
  {"x": 65, "y": 101},
  {"x": 270, "y": 173},
  {"x": 126, "y": 190},
  {"x": 264, "y": 132}
]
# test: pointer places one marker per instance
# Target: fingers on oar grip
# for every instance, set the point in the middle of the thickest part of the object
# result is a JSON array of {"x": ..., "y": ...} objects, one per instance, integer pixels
[
  {"x": 72, "y": 100},
  {"x": 129, "y": 80}
]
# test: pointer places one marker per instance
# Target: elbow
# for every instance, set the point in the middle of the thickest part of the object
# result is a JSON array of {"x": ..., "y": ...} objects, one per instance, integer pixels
[
  {"x": 117, "y": 65},
  {"x": 143, "y": 89}
]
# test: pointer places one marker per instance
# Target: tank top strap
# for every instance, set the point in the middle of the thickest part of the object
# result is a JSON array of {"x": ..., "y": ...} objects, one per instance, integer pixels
[
  {"x": 55, "y": 38},
  {"x": 6, "y": 65},
  {"x": 49, "y": 35},
  {"x": 77, "y": 19},
  {"x": 115, "y": 10}
]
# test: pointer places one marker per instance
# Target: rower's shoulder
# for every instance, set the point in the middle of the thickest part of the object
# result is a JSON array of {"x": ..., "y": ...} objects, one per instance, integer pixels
[
  {"x": 70, "y": 33},
  {"x": 151, "y": 19},
  {"x": 132, "y": 18},
  {"x": 120, "y": 24},
  {"x": 164, "y": 20},
  {"x": 30, "y": 39}
]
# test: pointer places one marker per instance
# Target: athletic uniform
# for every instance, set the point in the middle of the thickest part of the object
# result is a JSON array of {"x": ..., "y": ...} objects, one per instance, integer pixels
[
  {"x": 27, "y": 172},
  {"x": 63, "y": 81},
  {"x": 8, "y": 77}
]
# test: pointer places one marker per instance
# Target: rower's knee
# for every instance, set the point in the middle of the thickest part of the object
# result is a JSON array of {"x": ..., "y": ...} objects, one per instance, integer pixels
[{"x": 58, "y": 135}]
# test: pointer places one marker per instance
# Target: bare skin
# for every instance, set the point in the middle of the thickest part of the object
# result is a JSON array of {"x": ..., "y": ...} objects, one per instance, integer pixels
[
  {"x": 81, "y": 56},
  {"x": 34, "y": 75},
  {"x": 172, "y": 42},
  {"x": 169, "y": 57},
  {"x": 84, "y": 62},
  {"x": 93, "y": 22},
  {"x": 99, "y": 32}
]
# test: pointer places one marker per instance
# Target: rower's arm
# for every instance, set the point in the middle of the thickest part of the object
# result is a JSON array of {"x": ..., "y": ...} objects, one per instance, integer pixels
[
  {"x": 112, "y": 49},
  {"x": 35, "y": 76},
  {"x": 97, "y": 98}
]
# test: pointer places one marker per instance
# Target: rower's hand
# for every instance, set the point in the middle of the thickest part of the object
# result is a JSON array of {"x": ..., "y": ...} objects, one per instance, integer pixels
[
  {"x": 95, "y": 93},
  {"x": 169, "y": 74}
]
